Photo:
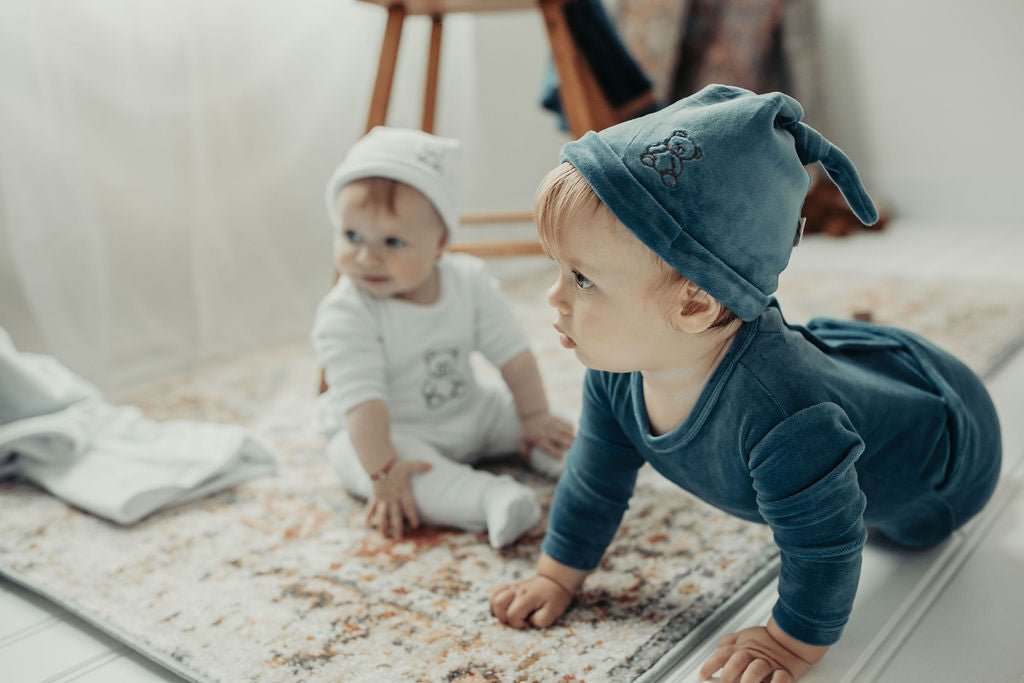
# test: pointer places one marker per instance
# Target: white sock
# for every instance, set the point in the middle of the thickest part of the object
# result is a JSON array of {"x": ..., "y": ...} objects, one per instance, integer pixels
[
  {"x": 548, "y": 465},
  {"x": 511, "y": 510}
]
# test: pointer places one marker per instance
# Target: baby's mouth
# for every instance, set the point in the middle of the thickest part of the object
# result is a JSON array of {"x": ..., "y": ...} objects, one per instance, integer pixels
[{"x": 564, "y": 339}]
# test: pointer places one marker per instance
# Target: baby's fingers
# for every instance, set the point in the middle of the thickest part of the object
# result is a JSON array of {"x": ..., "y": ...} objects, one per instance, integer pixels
[
  {"x": 545, "y": 616},
  {"x": 375, "y": 515},
  {"x": 757, "y": 671},
  {"x": 417, "y": 466},
  {"x": 516, "y": 605},
  {"x": 555, "y": 443},
  {"x": 552, "y": 448},
  {"x": 395, "y": 520},
  {"x": 562, "y": 441},
  {"x": 716, "y": 661},
  {"x": 565, "y": 429},
  {"x": 560, "y": 431},
  {"x": 410, "y": 512},
  {"x": 737, "y": 664},
  {"x": 501, "y": 598}
]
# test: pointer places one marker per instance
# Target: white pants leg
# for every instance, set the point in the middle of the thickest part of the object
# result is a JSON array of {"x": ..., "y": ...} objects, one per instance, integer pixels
[
  {"x": 502, "y": 433},
  {"x": 497, "y": 431},
  {"x": 449, "y": 493}
]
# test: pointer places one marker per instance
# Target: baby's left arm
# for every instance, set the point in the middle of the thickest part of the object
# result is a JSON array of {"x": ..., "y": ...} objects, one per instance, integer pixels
[{"x": 541, "y": 429}]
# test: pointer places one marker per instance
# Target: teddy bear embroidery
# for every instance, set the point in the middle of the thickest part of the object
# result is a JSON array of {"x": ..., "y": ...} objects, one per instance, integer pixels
[
  {"x": 444, "y": 382},
  {"x": 429, "y": 156},
  {"x": 667, "y": 157}
]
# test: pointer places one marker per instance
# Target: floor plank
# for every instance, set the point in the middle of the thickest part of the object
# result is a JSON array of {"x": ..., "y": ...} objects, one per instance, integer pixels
[{"x": 43, "y": 643}]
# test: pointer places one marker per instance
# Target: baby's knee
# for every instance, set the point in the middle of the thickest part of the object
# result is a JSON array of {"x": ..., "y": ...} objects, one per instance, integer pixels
[{"x": 921, "y": 524}]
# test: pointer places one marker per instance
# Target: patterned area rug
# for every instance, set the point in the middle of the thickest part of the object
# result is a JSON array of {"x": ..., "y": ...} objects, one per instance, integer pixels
[{"x": 278, "y": 580}]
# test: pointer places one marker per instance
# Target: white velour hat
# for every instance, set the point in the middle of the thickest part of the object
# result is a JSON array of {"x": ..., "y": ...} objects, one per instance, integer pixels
[{"x": 425, "y": 162}]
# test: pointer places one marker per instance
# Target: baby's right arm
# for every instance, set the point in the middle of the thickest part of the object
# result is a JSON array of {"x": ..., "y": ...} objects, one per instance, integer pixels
[
  {"x": 391, "y": 503},
  {"x": 539, "y": 600}
]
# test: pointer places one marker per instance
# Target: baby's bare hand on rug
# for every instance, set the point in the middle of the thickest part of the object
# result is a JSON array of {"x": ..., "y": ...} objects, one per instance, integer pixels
[
  {"x": 538, "y": 602},
  {"x": 392, "y": 503},
  {"x": 551, "y": 434},
  {"x": 752, "y": 656}
]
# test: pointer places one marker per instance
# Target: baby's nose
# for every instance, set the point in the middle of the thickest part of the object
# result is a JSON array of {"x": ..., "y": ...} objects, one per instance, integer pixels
[
  {"x": 365, "y": 254},
  {"x": 556, "y": 296}
]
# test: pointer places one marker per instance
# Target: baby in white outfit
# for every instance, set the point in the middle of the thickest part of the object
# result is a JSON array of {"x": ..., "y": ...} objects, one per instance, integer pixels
[{"x": 405, "y": 415}]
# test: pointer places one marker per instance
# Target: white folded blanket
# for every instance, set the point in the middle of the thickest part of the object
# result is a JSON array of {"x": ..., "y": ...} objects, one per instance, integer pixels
[{"x": 57, "y": 431}]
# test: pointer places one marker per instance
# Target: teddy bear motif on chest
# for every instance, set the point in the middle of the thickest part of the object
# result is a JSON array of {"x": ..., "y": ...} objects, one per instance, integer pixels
[{"x": 444, "y": 381}]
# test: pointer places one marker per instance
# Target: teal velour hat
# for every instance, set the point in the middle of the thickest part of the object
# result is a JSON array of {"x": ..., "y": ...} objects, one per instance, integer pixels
[{"x": 714, "y": 184}]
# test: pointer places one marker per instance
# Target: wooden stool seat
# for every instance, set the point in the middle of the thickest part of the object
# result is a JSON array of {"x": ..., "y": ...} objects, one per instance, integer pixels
[{"x": 439, "y": 7}]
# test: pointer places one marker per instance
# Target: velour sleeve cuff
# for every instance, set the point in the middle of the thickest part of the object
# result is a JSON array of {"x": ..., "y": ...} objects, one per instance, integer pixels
[
  {"x": 805, "y": 631},
  {"x": 572, "y": 554}
]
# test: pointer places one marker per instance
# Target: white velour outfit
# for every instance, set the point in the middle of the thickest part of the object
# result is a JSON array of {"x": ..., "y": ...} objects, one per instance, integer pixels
[{"x": 416, "y": 358}]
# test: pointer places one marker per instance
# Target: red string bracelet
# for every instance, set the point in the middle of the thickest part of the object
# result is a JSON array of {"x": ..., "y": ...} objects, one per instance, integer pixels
[{"x": 383, "y": 472}]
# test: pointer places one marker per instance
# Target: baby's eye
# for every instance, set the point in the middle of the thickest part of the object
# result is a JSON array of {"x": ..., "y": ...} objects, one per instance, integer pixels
[
  {"x": 394, "y": 242},
  {"x": 353, "y": 236},
  {"x": 581, "y": 280}
]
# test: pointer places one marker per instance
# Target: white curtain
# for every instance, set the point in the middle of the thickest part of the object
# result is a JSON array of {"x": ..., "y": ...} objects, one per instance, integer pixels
[{"x": 162, "y": 164}]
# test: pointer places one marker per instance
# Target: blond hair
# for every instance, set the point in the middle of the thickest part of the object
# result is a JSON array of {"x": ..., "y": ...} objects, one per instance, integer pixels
[
  {"x": 565, "y": 194},
  {"x": 377, "y": 192}
]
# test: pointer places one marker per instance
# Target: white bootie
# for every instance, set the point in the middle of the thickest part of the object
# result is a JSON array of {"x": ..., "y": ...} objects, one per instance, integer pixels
[{"x": 511, "y": 509}]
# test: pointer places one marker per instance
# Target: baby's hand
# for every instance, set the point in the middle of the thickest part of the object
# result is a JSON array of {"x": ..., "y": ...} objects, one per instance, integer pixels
[
  {"x": 551, "y": 434},
  {"x": 538, "y": 601},
  {"x": 391, "y": 503},
  {"x": 754, "y": 655}
]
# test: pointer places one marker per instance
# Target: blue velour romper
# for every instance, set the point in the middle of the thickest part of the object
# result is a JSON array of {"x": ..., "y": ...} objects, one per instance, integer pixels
[{"x": 820, "y": 432}]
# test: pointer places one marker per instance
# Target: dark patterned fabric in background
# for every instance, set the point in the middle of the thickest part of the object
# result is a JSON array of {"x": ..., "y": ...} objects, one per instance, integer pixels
[{"x": 676, "y": 47}]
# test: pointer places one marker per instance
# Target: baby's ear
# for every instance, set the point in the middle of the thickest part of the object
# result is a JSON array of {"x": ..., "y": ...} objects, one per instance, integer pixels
[{"x": 694, "y": 310}]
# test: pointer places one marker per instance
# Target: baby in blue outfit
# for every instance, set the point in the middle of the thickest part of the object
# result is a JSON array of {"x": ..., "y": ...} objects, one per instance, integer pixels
[{"x": 670, "y": 232}]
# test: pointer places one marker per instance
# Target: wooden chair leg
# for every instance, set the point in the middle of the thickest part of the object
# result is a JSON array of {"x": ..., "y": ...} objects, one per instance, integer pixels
[
  {"x": 583, "y": 103},
  {"x": 601, "y": 113},
  {"x": 433, "y": 66},
  {"x": 386, "y": 68},
  {"x": 635, "y": 106},
  {"x": 563, "y": 51}
]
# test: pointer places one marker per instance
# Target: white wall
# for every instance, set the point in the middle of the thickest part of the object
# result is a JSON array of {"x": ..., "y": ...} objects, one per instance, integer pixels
[{"x": 926, "y": 97}]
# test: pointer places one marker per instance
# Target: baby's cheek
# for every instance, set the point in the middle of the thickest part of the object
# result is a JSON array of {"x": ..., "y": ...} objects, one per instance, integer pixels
[{"x": 342, "y": 253}]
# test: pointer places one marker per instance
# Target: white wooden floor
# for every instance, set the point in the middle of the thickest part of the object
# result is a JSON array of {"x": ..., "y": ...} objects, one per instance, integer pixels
[{"x": 947, "y": 615}]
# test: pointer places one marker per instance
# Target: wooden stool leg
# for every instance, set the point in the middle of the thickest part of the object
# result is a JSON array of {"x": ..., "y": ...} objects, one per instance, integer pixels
[
  {"x": 584, "y": 104},
  {"x": 386, "y": 68},
  {"x": 433, "y": 65},
  {"x": 601, "y": 113}
]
